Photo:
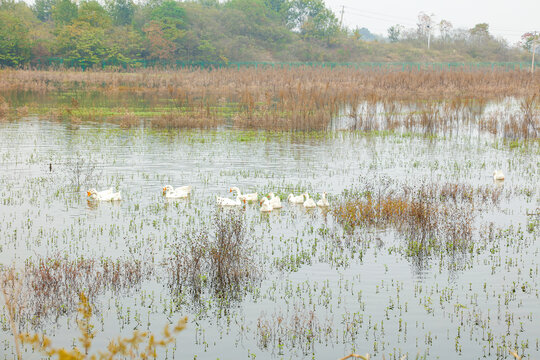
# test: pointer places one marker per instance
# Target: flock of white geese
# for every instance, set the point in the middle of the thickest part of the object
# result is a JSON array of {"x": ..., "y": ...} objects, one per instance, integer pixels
[{"x": 268, "y": 203}]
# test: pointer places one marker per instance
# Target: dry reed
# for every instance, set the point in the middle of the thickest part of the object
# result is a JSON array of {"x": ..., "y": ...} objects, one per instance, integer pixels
[
  {"x": 430, "y": 217},
  {"x": 297, "y": 99},
  {"x": 49, "y": 285}
]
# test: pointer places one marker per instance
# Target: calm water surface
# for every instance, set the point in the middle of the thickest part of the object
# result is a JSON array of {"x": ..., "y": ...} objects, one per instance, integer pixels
[{"x": 347, "y": 292}]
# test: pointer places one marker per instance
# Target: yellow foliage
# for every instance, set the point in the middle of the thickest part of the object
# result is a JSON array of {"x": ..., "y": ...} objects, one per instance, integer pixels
[{"x": 128, "y": 346}]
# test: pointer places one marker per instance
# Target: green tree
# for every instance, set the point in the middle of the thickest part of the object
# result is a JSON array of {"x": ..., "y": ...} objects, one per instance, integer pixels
[
  {"x": 124, "y": 45},
  {"x": 324, "y": 25},
  {"x": 165, "y": 31},
  {"x": 209, "y": 3},
  {"x": 169, "y": 12},
  {"x": 64, "y": 12},
  {"x": 531, "y": 41},
  {"x": 121, "y": 11},
  {"x": 281, "y": 7},
  {"x": 43, "y": 9},
  {"x": 14, "y": 42},
  {"x": 7, "y": 4},
  {"x": 94, "y": 14},
  {"x": 255, "y": 20},
  {"x": 394, "y": 32},
  {"x": 206, "y": 52},
  {"x": 313, "y": 19},
  {"x": 82, "y": 44},
  {"x": 480, "y": 30}
]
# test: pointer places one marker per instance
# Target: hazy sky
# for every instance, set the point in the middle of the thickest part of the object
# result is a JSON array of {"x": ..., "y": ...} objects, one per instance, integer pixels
[{"x": 506, "y": 18}]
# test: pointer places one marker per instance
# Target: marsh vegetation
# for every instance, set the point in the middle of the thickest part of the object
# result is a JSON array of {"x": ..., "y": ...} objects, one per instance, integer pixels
[{"x": 421, "y": 253}]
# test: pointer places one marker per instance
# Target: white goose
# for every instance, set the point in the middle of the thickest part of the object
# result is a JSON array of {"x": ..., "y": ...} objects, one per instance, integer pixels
[
  {"x": 247, "y": 197},
  {"x": 105, "y": 195},
  {"x": 221, "y": 201},
  {"x": 309, "y": 203},
  {"x": 323, "y": 202},
  {"x": 498, "y": 175},
  {"x": 178, "y": 193},
  {"x": 275, "y": 201},
  {"x": 265, "y": 205},
  {"x": 296, "y": 199}
]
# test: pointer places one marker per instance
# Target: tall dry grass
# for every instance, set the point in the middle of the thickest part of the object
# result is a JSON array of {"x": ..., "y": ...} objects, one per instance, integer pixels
[
  {"x": 301, "y": 98},
  {"x": 430, "y": 217}
]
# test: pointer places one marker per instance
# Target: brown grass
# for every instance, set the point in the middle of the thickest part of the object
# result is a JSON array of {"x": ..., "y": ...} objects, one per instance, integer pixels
[
  {"x": 300, "y": 98},
  {"x": 431, "y": 216},
  {"x": 49, "y": 285}
]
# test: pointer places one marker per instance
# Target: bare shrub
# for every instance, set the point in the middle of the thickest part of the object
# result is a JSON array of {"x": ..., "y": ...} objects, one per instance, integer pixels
[
  {"x": 81, "y": 172},
  {"x": 221, "y": 261},
  {"x": 52, "y": 284}
]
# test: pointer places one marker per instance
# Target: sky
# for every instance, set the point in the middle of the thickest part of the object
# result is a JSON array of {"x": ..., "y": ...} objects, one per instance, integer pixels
[{"x": 506, "y": 18}]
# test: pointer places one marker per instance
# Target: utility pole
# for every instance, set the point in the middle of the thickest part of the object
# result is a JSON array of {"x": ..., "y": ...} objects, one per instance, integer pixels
[
  {"x": 341, "y": 18},
  {"x": 428, "y": 35},
  {"x": 534, "y": 45}
]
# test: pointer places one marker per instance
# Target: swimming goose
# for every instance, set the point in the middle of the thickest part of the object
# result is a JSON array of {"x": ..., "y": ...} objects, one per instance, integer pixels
[
  {"x": 265, "y": 205},
  {"x": 323, "y": 202},
  {"x": 309, "y": 203},
  {"x": 247, "y": 197},
  {"x": 498, "y": 175},
  {"x": 275, "y": 201},
  {"x": 296, "y": 199},
  {"x": 105, "y": 195},
  {"x": 178, "y": 193}
]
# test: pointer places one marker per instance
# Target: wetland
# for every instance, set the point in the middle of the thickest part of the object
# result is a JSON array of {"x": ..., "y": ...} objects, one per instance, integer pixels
[{"x": 420, "y": 255}]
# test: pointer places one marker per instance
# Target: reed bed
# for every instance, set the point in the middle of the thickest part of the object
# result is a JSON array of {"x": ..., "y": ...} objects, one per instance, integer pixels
[
  {"x": 431, "y": 217},
  {"x": 249, "y": 84},
  {"x": 300, "y": 329},
  {"x": 291, "y": 99}
]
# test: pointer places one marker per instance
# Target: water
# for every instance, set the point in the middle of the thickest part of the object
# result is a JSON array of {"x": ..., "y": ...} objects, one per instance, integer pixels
[{"x": 322, "y": 292}]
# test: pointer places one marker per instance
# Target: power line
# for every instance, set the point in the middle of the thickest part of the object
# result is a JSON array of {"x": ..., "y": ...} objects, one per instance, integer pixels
[{"x": 377, "y": 14}]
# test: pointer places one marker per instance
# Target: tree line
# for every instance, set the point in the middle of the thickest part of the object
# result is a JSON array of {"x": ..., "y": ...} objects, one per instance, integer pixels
[{"x": 123, "y": 32}]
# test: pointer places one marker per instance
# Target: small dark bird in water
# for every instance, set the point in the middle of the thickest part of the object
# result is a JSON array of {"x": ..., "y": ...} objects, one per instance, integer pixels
[{"x": 50, "y": 166}]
